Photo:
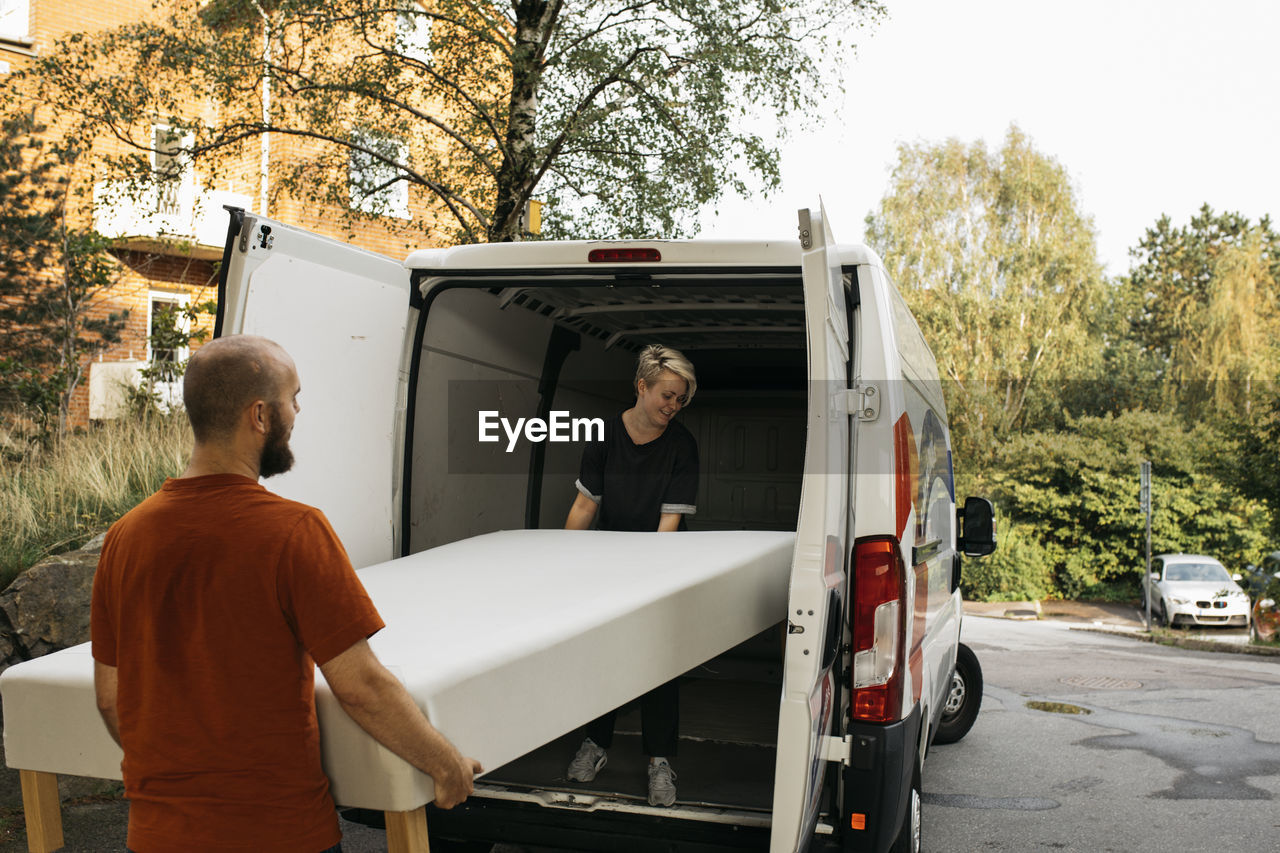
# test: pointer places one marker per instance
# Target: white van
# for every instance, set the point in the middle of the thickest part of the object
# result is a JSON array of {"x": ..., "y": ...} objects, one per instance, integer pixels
[{"x": 819, "y": 411}]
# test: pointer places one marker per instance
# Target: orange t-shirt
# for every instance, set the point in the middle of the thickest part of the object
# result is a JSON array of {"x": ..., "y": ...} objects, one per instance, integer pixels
[{"x": 212, "y": 599}]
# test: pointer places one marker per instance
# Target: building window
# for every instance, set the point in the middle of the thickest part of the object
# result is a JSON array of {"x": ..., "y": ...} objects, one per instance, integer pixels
[
  {"x": 167, "y": 319},
  {"x": 376, "y": 184},
  {"x": 171, "y": 166},
  {"x": 15, "y": 19},
  {"x": 413, "y": 32},
  {"x": 167, "y": 329}
]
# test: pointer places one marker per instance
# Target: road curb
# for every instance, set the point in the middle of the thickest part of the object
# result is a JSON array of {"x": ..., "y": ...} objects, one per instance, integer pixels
[{"x": 1190, "y": 643}]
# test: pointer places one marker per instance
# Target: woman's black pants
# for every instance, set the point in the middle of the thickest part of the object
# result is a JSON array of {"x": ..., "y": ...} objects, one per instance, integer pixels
[{"x": 659, "y": 721}]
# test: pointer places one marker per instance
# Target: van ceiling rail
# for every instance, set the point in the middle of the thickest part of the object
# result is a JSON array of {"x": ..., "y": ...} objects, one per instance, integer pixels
[
  {"x": 734, "y": 312},
  {"x": 624, "y": 307},
  {"x": 697, "y": 330}
]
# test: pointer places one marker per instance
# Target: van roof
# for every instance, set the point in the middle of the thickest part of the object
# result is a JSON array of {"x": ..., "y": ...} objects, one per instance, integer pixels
[{"x": 574, "y": 253}]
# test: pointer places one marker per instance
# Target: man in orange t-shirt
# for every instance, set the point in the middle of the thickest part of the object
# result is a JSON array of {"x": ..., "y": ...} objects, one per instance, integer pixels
[{"x": 213, "y": 598}]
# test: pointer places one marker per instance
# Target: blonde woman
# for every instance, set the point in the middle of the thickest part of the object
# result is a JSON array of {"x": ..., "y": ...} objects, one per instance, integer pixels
[{"x": 643, "y": 476}]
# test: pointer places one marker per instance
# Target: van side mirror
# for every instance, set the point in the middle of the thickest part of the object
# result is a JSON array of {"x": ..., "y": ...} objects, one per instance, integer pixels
[{"x": 976, "y": 527}]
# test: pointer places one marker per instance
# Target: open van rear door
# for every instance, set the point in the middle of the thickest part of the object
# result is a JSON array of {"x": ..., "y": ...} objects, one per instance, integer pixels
[
  {"x": 341, "y": 312},
  {"x": 818, "y": 576}
]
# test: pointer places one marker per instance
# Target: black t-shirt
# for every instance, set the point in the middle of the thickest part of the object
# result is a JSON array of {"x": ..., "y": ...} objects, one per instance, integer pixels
[{"x": 634, "y": 484}]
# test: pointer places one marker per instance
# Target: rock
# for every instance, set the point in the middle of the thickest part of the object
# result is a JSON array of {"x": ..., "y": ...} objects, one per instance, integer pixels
[
  {"x": 94, "y": 545},
  {"x": 6, "y": 642},
  {"x": 47, "y": 607}
]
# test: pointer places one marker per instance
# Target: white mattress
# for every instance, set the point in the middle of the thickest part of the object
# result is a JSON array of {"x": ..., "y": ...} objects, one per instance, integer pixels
[{"x": 507, "y": 641}]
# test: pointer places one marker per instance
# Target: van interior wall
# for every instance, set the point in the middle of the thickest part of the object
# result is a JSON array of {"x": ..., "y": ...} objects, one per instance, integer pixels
[
  {"x": 748, "y": 417},
  {"x": 480, "y": 357}
]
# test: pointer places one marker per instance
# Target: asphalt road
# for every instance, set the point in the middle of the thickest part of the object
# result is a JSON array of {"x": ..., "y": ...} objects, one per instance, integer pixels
[{"x": 1180, "y": 750}]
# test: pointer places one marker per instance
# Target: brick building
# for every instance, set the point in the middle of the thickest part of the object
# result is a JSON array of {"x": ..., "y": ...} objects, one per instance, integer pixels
[{"x": 169, "y": 237}]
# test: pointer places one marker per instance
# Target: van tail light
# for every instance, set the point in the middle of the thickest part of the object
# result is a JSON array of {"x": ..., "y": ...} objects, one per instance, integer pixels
[
  {"x": 879, "y": 630},
  {"x": 622, "y": 255}
]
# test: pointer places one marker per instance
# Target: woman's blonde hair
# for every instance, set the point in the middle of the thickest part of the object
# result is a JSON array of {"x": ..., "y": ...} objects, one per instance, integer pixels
[{"x": 655, "y": 359}]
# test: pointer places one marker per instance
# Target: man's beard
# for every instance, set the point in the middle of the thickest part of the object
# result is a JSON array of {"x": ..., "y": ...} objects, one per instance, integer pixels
[{"x": 276, "y": 455}]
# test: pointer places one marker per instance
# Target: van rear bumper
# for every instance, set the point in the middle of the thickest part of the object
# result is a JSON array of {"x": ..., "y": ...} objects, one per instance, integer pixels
[
  {"x": 478, "y": 823},
  {"x": 877, "y": 782}
]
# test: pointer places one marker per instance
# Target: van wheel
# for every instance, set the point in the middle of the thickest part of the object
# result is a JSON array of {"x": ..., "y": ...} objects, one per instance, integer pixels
[
  {"x": 908, "y": 840},
  {"x": 963, "y": 699}
]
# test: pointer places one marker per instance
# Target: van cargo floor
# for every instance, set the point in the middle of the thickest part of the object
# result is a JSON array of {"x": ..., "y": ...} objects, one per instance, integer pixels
[
  {"x": 709, "y": 773},
  {"x": 726, "y": 759}
]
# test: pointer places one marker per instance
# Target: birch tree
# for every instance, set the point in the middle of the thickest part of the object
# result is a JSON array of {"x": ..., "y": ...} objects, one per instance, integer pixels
[{"x": 999, "y": 265}]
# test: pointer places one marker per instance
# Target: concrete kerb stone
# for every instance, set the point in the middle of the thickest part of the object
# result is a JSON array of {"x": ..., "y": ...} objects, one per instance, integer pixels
[
  {"x": 1118, "y": 620},
  {"x": 1195, "y": 644}
]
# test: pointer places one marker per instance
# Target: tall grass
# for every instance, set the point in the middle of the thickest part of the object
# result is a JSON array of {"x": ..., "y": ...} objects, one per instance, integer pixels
[{"x": 56, "y": 499}]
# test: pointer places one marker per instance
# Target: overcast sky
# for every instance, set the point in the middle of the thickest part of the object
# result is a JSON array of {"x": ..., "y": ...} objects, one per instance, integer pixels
[{"x": 1152, "y": 106}]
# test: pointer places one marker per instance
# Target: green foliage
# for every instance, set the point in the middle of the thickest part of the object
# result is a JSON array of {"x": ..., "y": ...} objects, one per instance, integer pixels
[
  {"x": 52, "y": 274},
  {"x": 1257, "y": 434},
  {"x": 1205, "y": 303},
  {"x": 1018, "y": 570},
  {"x": 1074, "y": 492},
  {"x": 622, "y": 116},
  {"x": 56, "y": 498},
  {"x": 173, "y": 328},
  {"x": 999, "y": 265},
  {"x": 1058, "y": 383}
]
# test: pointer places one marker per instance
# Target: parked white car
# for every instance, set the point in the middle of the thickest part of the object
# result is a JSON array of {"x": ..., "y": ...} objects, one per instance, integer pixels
[{"x": 1190, "y": 589}]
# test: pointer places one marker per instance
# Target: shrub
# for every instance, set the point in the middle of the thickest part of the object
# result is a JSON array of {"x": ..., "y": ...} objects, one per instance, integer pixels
[
  {"x": 1018, "y": 570},
  {"x": 1074, "y": 494},
  {"x": 58, "y": 498}
]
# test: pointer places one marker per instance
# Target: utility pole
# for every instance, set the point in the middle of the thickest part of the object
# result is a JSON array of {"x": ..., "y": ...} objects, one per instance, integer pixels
[{"x": 1144, "y": 478}]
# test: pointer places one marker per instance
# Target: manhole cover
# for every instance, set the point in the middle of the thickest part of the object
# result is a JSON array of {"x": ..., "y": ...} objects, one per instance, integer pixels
[{"x": 1101, "y": 682}]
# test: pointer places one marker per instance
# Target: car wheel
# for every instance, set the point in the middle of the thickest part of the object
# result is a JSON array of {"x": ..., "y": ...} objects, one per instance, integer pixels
[
  {"x": 963, "y": 698},
  {"x": 908, "y": 840},
  {"x": 1161, "y": 615}
]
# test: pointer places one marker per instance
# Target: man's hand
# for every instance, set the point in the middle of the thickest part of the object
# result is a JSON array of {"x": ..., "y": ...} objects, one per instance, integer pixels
[
  {"x": 378, "y": 702},
  {"x": 457, "y": 782}
]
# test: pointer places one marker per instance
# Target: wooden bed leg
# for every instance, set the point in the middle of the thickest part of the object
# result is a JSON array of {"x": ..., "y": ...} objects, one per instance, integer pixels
[
  {"x": 43, "y": 810},
  {"x": 407, "y": 831}
]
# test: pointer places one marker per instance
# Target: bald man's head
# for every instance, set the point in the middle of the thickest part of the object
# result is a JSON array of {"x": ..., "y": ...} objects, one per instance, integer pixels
[{"x": 227, "y": 375}]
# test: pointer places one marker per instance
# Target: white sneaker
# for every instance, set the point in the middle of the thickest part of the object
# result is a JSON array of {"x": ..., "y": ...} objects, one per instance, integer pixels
[
  {"x": 662, "y": 783},
  {"x": 587, "y": 763}
]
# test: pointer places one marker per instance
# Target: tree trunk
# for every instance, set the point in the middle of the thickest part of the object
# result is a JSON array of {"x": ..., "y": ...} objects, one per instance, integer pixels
[{"x": 515, "y": 177}]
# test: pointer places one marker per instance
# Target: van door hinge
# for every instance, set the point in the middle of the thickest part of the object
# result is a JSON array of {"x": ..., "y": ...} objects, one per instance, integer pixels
[
  {"x": 806, "y": 230},
  {"x": 862, "y": 402},
  {"x": 251, "y": 234},
  {"x": 836, "y": 748},
  {"x": 246, "y": 231}
]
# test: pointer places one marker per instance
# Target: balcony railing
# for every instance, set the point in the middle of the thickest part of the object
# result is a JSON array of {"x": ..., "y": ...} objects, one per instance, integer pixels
[{"x": 163, "y": 212}]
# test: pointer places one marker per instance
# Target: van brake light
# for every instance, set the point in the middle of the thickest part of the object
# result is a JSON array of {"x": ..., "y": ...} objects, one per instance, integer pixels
[
  {"x": 878, "y": 629},
  {"x": 620, "y": 255}
]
